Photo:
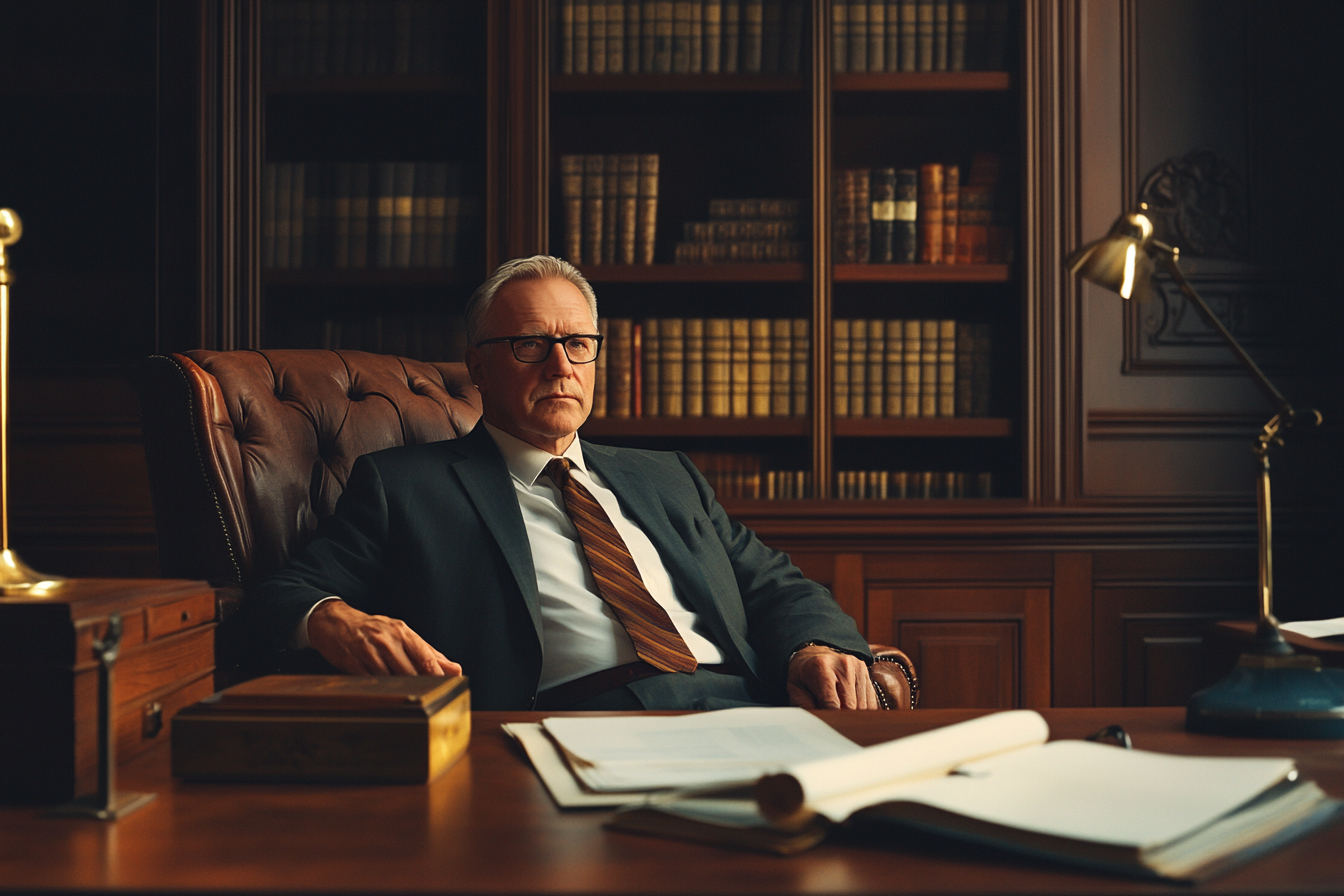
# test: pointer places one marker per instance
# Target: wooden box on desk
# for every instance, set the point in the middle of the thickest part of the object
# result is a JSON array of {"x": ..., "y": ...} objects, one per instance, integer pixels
[
  {"x": 392, "y": 730},
  {"x": 49, "y": 677}
]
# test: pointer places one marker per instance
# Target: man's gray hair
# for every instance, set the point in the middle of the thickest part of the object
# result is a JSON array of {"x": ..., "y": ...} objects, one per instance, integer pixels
[{"x": 538, "y": 267}]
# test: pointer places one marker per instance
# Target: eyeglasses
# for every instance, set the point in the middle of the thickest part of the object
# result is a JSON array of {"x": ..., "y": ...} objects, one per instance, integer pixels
[{"x": 579, "y": 349}]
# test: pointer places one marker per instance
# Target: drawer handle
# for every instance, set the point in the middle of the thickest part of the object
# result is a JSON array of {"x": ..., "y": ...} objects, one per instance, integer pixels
[
  {"x": 152, "y": 722},
  {"x": 186, "y": 615}
]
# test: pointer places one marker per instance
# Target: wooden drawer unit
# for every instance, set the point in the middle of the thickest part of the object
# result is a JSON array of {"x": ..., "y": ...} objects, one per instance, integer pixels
[{"x": 49, "y": 677}]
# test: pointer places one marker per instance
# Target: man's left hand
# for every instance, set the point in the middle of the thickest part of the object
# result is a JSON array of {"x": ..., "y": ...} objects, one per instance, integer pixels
[{"x": 821, "y": 678}]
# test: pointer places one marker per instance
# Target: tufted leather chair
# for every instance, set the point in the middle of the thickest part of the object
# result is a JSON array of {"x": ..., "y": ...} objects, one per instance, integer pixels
[{"x": 248, "y": 450}]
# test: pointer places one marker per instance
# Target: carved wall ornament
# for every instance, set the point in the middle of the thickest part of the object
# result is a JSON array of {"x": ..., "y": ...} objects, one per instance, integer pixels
[{"x": 1198, "y": 203}]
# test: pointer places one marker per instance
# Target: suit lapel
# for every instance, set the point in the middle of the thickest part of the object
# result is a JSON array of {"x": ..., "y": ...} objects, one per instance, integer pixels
[{"x": 487, "y": 482}]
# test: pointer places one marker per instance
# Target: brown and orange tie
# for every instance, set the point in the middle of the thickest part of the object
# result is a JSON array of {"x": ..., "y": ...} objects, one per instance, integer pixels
[{"x": 656, "y": 639}]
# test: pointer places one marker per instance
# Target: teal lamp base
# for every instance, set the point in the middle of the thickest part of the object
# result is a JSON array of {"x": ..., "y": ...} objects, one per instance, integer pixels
[{"x": 1274, "y": 697}]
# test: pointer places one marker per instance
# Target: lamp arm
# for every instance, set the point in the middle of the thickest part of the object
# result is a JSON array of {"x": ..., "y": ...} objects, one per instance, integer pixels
[{"x": 1169, "y": 256}]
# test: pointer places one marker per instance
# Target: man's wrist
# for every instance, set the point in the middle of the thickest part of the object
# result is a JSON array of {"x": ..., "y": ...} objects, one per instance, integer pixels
[
  {"x": 821, "y": 648},
  {"x": 300, "y": 640}
]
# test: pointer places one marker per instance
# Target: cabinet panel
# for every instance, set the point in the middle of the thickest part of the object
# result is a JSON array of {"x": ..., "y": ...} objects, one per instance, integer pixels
[
  {"x": 986, "y": 646},
  {"x": 964, "y": 663}
]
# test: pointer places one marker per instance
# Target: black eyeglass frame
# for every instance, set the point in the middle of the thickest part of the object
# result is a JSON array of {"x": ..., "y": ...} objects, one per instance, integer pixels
[{"x": 552, "y": 340}]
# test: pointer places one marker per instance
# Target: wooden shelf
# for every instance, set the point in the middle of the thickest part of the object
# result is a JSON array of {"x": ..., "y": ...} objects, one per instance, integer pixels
[
  {"x": 922, "y": 273},
  {"x": 667, "y": 83},
  {"x": 921, "y": 81},
  {"x": 681, "y": 427},
  {"x": 924, "y": 427},
  {"x": 365, "y": 84},
  {"x": 791, "y": 272},
  {"x": 362, "y": 277}
]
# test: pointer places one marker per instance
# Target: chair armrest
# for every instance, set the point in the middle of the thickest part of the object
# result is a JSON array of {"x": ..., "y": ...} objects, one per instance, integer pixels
[{"x": 894, "y": 678}]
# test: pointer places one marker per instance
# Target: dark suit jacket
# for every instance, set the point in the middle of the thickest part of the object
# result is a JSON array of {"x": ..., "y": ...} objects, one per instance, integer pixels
[{"x": 432, "y": 534}]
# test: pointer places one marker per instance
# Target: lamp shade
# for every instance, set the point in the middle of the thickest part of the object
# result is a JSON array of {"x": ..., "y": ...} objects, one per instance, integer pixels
[{"x": 1119, "y": 261}]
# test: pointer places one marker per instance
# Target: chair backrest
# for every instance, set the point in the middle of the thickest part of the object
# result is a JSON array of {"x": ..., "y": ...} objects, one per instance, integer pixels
[{"x": 248, "y": 450}]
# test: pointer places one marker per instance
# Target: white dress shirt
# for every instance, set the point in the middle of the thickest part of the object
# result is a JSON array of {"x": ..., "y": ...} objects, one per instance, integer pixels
[{"x": 580, "y": 633}]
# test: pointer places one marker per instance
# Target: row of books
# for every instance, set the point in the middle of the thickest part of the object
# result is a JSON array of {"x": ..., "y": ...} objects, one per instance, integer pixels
[
  {"x": 910, "y": 368},
  {"x": 925, "y": 215},
  {"x": 744, "y": 476},
  {"x": 918, "y": 35},
  {"x": 610, "y": 207},
  {"x": 744, "y": 231},
  {"x": 703, "y": 367},
  {"x": 358, "y": 37},
  {"x": 362, "y": 214},
  {"x": 611, "y": 37}
]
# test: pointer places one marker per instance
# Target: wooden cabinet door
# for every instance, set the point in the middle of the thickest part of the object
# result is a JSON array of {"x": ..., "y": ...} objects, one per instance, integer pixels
[{"x": 973, "y": 647}]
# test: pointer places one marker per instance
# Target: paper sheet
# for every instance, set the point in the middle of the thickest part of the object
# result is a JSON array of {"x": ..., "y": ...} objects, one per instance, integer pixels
[
  {"x": 1316, "y": 628},
  {"x": 624, "y": 753},
  {"x": 555, "y": 774}
]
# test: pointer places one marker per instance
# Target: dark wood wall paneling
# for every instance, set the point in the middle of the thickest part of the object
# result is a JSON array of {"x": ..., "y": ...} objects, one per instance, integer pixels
[{"x": 130, "y": 159}]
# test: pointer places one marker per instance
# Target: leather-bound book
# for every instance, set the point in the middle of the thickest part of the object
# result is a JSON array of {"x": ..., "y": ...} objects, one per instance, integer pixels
[
  {"x": 802, "y": 366},
  {"x": 905, "y": 229},
  {"x": 909, "y": 35},
  {"x": 597, "y": 37},
  {"x": 648, "y": 30},
  {"x": 713, "y": 37},
  {"x": 883, "y": 226},
  {"x": 697, "y": 37},
  {"x": 740, "y": 382},
  {"x": 611, "y": 205},
  {"x": 732, "y": 37},
  {"x": 893, "y": 36},
  {"x": 620, "y": 366},
  {"x": 681, "y": 36},
  {"x": 627, "y": 210},
  {"x": 753, "y": 23},
  {"x": 665, "y": 11},
  {"x": 965, "y": 369},
  {"x": 594, "y": 182},
  {"x": 648, "y": 208},
  {"x": 600, "y": 369},
  {"x": 877, "y": 36},
  {"x": 781, "y": 366},
  {"x": 863, "y": 240},
  {"x": 359, "y": 215},
  {"x": 404, "y": 215},
  {"x": 581, "y": 33},
  {"x": 894, "y": 369},
  {"x": 931, "y": 214},
  {"x": 951, "y": 199},
  {"x": 858, "y": 35},
  {"x": 840, "y": 36},
  {"x": 436, "y": 214},
  {"x": 925, "y": 37},
  {"x": 858, "y": 367},
  {"x": 791, "y": 44},
  {"x": 566, "y": 60},
  {"x": 386, "y": 207},
  {"x": 634, "y": 31},
  {"x": 941, "y": 21},
  {"x": 759, "y": 390},
  {"x": 977, "y": 12},
  {"x": 875, "y": 401},
  {"x": 637, "y": 370},
  {"x": 956, "y": 37},
  {"x": 913, "y": 368},
  {"x": 947, "y": 368},
  {"x": 840, "y": 367},
  {"x": 615, "y": 37},
  {"x": 651, "y": 367},
  {"x": 314, "y": 728},
  {"x": 772, "y": 33},
  {"x": 718, "y": 367},
  {"x": 981, "y": 382},
  {"x": 845, "y": 252},
  {"x": 672, "y": 367},
  {"x": 694, "y": 400},
  {"x": 928, "y": 368}
]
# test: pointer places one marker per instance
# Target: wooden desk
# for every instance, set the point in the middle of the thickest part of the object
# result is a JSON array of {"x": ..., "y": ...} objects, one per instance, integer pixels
[{"x": 487, "y": 826}]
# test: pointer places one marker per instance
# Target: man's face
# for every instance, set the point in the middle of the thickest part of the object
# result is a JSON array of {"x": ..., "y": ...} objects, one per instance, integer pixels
[{"x": 543, "y": 404}]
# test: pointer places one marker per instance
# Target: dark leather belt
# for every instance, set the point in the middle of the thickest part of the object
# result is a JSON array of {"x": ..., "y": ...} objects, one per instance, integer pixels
[{"x": 567, "y": 695}]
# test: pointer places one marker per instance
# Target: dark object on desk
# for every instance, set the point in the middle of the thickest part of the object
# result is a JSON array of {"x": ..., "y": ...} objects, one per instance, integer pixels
[
  {"x": 1273, "y": 691},
  {"x": 398, "y": 729},
  {"x": 48, "y": 677},
  {"x": 297, "y": 420}
]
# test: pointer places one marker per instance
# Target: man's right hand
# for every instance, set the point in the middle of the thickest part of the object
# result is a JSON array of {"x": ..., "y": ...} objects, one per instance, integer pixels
[{"x": 360, "y": 644}]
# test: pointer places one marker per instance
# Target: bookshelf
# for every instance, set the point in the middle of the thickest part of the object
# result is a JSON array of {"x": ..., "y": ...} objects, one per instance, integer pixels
[
  {"x": 774, "y": 134},
  {"x": 371, "y": 198}
]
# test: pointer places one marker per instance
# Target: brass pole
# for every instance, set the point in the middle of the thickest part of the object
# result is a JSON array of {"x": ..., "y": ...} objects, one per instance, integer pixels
[{"x": 15, "y": 575}]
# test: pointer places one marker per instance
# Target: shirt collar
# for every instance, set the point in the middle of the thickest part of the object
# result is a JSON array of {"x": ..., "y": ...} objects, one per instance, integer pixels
[{"x": 527, "y": 462}]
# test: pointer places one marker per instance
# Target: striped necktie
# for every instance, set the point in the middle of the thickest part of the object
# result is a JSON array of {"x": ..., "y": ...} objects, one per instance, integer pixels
[{"x": 656, "y": 639}]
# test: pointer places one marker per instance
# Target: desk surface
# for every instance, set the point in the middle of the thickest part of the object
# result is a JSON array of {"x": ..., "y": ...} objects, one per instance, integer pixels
[{"x": 487, "y": 826}]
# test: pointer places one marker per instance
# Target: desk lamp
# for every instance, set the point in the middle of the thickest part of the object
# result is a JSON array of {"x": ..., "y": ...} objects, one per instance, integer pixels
[
  {"x": 15, "y": 576},
  {"x": 1273, "y": 691}
]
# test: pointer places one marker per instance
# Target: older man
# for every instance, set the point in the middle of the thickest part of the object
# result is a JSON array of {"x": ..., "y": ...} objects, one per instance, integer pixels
[{"x": 558, "y": 574}]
